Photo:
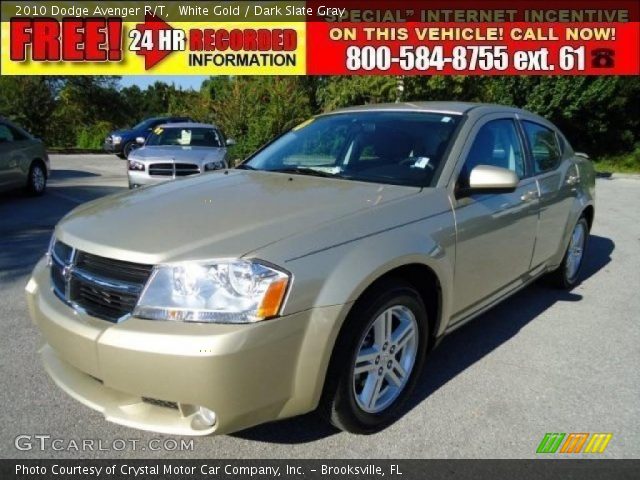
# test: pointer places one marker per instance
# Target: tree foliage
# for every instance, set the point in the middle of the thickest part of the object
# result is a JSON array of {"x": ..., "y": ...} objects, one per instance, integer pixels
[
  {"x": 599, "y": 115},
  {"x": 252, "y": 110},
  {"x": 30, "y": 101}
]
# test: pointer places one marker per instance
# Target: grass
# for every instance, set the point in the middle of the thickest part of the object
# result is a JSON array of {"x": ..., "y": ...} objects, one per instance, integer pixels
[
  {"x": 74, "y": 150},
  {"x": 627, "y": 163}
]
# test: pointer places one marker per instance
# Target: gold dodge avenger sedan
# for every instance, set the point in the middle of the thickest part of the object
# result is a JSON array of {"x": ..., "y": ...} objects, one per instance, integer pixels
[{"x": 316, "y": 275}]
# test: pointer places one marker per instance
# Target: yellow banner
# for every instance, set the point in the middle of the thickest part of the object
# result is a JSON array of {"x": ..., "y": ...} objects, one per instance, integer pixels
[{"x": 199, "y": 48}]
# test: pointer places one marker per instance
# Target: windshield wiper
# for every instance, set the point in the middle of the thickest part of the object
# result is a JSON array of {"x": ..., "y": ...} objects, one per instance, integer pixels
[
  {"x": 244, "y": 166},
  {"x": 306, "y": 171}
]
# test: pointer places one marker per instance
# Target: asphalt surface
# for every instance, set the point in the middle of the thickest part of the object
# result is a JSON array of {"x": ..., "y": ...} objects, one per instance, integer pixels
[{"x": 543, "y": 361}]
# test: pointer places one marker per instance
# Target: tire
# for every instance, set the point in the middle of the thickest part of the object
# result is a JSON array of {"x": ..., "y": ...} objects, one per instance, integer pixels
[
  {"x": 349, "y": 401},
  {"x": 567, "y": 275},
  {"x": 126, "y": 149},
  {"x": 37, "y": 179}
]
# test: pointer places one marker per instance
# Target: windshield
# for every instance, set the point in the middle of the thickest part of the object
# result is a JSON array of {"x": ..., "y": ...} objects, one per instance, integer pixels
[
  {"x": 185, "y": 137},
  {"x": 403, "y": 148},
  {"x": 145, "y": 124}
]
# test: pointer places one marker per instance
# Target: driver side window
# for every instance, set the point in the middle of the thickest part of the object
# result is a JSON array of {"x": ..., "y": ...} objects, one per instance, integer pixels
[
  {"x": 5, "y": 134},
  {"x": 497, "y": 143}
]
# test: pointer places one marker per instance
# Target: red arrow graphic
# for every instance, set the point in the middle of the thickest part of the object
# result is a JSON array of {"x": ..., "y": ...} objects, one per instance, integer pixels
[{"x": 153, "y": 55}]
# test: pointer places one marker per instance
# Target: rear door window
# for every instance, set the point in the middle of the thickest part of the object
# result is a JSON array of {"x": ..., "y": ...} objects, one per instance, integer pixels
[{"x": 543, "y": 143}]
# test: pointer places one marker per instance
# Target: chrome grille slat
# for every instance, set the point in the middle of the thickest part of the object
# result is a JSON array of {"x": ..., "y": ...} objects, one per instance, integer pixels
[
  {"x": 99, "y": 286},
  {"x": 114, "y": 269},
  {"x": 173, "y": 169},
  {"x": 115, "y": 301},
  {"x": 116, "y": 286}
]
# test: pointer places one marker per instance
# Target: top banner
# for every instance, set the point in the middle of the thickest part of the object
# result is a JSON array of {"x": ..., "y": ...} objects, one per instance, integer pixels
[{"x": 455, "y": 37}]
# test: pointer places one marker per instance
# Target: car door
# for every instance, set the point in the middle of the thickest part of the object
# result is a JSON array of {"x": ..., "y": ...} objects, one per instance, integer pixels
[
  {"x": 9, "y": 164},
  {"x": 557, "y": 183},
  {"x": 495, "y": 231}
]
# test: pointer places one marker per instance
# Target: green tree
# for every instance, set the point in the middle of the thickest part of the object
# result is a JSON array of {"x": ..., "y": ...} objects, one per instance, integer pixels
[
  {"x": 338, "y": 92},
  {"x": 599, "y": 115},
  {"x": 29, "y": 101},
  {"x": 252, "y": 110},
  {"x": 190, "y": 103}
]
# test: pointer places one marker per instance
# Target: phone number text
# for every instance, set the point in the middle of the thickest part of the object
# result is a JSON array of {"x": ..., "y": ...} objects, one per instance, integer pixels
[{"x": 463, "y": 58}]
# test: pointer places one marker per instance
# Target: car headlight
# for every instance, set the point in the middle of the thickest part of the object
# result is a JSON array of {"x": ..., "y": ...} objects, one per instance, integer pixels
[
  {"x": 116, "y": 139},
  {"x": 135, "y": 165},
  {"x": 225, "y": 291},
  {"x": 213, "y": 166}
]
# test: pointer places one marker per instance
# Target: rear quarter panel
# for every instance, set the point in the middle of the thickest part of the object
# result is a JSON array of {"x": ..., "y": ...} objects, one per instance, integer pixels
[{"x": 585, "y": 197}]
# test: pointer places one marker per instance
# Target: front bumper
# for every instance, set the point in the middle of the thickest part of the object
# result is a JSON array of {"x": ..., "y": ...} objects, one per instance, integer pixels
[
  {"x": 139, "y": 179},
  {"x": 246, "y": 374},
  {"x": 112, "y": 147}
]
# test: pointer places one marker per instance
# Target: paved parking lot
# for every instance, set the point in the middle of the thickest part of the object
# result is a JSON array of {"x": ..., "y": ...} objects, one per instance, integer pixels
[{"x": 544, "y": 361}]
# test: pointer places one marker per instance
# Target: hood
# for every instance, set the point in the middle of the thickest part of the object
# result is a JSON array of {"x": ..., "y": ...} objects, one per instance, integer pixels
[
  {"x": 178, "y": 153},
  {"x": 121, "y": 133},
  {"x": 216, "y": 215}
]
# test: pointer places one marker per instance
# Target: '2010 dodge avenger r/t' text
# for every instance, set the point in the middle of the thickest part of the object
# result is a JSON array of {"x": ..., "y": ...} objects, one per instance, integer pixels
[{"x": 315, "y": 276}]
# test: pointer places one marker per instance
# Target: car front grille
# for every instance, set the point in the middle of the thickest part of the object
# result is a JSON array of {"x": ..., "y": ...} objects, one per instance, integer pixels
[
  {"x": 101, "y": 287},
  {"x": 173, "y": 169},
  {"x": 160, "y": 403}
]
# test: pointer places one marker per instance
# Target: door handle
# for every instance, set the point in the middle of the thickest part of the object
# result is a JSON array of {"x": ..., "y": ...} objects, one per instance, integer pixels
[
  {"x": 572, "y": 180},
  {"x": 529, "y": 196}
]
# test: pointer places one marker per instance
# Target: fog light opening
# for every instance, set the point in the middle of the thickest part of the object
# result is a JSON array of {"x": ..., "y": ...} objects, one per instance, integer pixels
[{"x": 204, "y": 419}]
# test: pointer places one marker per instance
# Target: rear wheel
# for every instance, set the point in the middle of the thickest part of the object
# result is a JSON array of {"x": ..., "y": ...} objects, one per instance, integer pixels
[
  {"x": 377, "y": 359},
  {"x": 37, "y": 179},
  {"x": 566, "y": 276}
]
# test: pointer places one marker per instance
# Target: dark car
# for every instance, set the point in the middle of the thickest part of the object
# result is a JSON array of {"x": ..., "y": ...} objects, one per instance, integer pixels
[
  {"x": 23, "y": 160},
  {"x": 121, "y": 142}
]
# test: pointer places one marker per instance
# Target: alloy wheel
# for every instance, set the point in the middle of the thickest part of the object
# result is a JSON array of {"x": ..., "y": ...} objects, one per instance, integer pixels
[
  {"x": 38, "y": 179},
  {"x": 575, "y": 251},
  {"x": 385, "y": 358}
]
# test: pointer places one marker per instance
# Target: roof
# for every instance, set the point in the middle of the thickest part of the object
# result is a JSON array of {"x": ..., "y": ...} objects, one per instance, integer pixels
[
  {"x": 187, "y": 125},
  {"x": 454, "y": 108}
]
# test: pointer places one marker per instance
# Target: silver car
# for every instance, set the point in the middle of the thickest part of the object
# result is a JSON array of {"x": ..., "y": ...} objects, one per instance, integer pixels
[
  {"x": 23, "y": 160},
  {"x": 177, "y": 150}
]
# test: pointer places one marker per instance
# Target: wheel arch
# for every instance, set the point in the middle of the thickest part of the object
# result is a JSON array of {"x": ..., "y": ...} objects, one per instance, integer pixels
[
  {"x": 583, "y": 206},
  {"x": 41, "y": 162},
  {"x": 420, "y": 276},
  {"x": 589, "y": 213}
]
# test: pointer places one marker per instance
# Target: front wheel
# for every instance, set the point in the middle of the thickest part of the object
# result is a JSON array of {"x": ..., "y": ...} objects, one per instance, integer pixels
[
  {"x": 127, "y": 148},
  {"x": 37, "y": 179},
  {"x": 566, "y": 276},
  {"x": 377, "y": 359}
]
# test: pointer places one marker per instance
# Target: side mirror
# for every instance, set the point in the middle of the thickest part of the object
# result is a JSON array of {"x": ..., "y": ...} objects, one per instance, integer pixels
[
  {"x": 230, "y": 142},
  {"x": 140, "y": 140},
  {"x": 490, "y": 179}
]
